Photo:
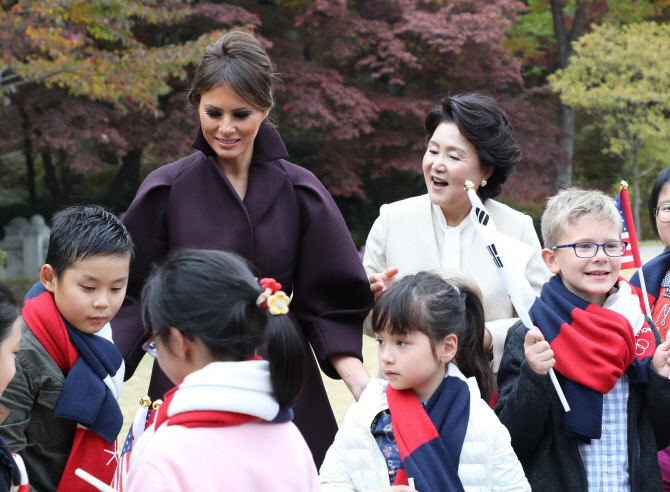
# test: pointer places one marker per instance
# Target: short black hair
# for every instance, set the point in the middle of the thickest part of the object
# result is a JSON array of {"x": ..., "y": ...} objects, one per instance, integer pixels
[
  {"x": 662, "y": 179},
  {"x": 9, "y": 311},
  {"x": 83, "y": 231},
  {"x": 486, "y": 125}
]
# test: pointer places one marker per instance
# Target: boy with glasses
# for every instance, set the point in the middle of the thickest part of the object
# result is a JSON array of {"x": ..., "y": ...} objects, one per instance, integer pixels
[{"x": 607, "y": 356}]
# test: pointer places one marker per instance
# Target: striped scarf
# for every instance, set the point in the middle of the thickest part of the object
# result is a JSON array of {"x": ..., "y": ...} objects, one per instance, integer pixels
[
  {"x": 593, "y": 347},
  {"x": 430, "y": 439},
  {"x": 94, "y": 370}
]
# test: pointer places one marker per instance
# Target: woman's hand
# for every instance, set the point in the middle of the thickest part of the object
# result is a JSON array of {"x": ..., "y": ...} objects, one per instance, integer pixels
[
  {"x": 380, "y": 281},
  {"x": 539, "y": 355},
  {"x": 352, "y": 372},
  {"x": 661, "y": 360}
]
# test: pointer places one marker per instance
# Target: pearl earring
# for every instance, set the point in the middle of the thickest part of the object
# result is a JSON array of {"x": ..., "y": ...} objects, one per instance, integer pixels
[{"x": 483, "y": 183}]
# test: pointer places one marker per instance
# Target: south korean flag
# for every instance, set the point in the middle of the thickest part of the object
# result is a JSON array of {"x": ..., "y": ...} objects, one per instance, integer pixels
[{"x": 504, "y": 252}]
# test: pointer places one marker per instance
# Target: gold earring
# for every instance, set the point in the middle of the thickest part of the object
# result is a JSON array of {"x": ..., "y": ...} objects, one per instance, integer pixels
[{"x": 483, "y": 183}]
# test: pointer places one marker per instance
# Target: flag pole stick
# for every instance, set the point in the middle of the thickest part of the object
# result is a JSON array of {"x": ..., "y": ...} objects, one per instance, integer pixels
[
  {"x": 644, "y": 292},
  {"x": 98, "y": 484}
]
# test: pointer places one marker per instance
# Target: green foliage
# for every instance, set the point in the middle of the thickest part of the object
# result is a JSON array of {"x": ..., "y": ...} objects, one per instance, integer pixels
[{"x": 622, "y": 73}]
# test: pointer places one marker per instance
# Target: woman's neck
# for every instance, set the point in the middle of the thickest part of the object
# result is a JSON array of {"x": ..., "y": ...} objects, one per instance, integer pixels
[
  {"x": 237, "y": 172},
  {"x": 455, "y": 215}
]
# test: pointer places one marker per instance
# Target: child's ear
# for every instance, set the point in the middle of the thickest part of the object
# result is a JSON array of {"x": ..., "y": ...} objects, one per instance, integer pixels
[
  {"x": 549, "y": 257},
  {"x": 448, "y": 348},
  {"x": 48, "y": 277},
  {"x": 180, "y": 345}
]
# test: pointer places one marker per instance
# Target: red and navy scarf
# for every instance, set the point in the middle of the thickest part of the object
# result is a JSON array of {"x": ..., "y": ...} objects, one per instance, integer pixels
[
  {"x": 90, "y": 363},
  {"x": 657, "y": 281},
  {"x": 430, "y": 438},
  {"x": 593, "y": 347}
]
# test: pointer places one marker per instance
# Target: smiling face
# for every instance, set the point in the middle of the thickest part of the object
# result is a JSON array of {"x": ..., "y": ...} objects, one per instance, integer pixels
[
  {"x": 449, "y": 161},
  {"x": 664, "y": 202},
  {"x": 230, "y": 125},
  {"x": 9, "y": 347},
  {"x": 90, "y": 292},
  {"x": 409, "y": 362},
  {"x": 589, "y": 278}
]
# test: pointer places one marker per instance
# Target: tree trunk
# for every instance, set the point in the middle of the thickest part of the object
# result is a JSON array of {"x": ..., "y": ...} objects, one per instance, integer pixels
[
  {"x": 66, "y": 176},
  {"x": 28, "y": 154},
  {"x": 566, "y": 114},
  {"x": 50, "y": 179},
  {"x": 566, "y": 122},
  {"x": 128, "y": 173}
]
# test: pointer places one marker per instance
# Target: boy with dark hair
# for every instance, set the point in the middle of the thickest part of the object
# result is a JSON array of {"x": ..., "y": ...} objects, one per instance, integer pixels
[
  {"x": 608, "y": 359},
  {"x": 62, "y": 402}
]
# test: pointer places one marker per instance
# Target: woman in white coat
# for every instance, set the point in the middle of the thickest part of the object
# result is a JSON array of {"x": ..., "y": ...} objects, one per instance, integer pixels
[{"x": 469, "y": 138}]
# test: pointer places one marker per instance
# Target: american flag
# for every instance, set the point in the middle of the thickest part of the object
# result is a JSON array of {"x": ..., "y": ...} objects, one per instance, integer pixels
[
  {"x": 124, "y": 460},
  {"x": 631, "y": 259}
]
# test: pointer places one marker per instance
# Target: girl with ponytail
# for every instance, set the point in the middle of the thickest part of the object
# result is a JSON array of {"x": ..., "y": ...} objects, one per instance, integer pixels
[
  {"x": 227, "y": 424},
  {"x": 426, "y": 427}
]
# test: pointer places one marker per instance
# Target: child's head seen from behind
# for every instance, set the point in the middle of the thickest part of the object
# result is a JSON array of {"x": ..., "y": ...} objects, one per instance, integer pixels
[
  {"x": 201, "y": 307},
  {"x": 581, "y": 230},
  {"x": 10, "y": 335},
  {"x": 87, "y": 266},
  {"x": 421, "y": 323}
]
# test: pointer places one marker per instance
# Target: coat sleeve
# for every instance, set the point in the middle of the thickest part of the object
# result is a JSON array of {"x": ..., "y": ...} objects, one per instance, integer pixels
[
  {"x": 657, "y": 397},
  {"x": 145, "y": 220},
  {"x": 19, "y": 397},
  {"x": 525, "y": 396},
  {"x": 331, "y": 293},
  {"x": 508, "y": 474},
  {"x": 374, "y": 259}
]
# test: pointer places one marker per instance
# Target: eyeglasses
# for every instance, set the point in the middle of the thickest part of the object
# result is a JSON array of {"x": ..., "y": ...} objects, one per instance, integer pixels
[
  {"x": 662, "y": 213},
  {"x": 150, "y": 347},
  {"x": 589, "y": 250}
]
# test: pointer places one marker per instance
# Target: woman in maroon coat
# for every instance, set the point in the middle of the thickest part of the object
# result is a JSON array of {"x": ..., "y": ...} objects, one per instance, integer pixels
[{"x": 238, "y": 194}]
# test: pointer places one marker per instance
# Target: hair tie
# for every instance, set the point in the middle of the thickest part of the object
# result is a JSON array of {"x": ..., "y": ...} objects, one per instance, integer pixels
[{"x": 272, "y": 297}]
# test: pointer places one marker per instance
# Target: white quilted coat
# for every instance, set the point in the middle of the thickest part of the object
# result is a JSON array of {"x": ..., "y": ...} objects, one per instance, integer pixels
[{"x": 355, "y": 462}]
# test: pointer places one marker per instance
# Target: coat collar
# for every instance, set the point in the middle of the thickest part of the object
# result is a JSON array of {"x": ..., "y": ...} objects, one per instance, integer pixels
[{"x": 268, "y": 145}]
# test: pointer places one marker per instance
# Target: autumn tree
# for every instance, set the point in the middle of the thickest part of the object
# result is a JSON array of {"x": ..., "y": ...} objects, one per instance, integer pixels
[
  {"x": 621, "y": 74},
  {"x": 86, "y": 81}
]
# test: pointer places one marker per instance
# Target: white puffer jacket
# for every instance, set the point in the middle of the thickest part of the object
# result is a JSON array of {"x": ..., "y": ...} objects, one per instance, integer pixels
[{"x": 355, "y": 462}]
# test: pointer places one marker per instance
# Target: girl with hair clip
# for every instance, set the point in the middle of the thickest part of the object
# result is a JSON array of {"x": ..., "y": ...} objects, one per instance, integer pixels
[
  {"x": 227, "y": 424},
  {"x": 13, "y": 475},
  {"x": 426, "y": 428}
]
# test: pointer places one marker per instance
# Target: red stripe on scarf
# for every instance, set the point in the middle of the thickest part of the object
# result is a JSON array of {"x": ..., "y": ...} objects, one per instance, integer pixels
[
  {"x": 406, "y": 407},
  {"x": 199, "y": 418},
  {"x": 599, "y": 346},
  {"x": 42, "y": 316}
]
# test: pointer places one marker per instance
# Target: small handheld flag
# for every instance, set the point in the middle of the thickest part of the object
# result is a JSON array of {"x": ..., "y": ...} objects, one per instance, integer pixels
[
  {"x": 501, "y": 249},
  {"x": 631, "y": 258}
]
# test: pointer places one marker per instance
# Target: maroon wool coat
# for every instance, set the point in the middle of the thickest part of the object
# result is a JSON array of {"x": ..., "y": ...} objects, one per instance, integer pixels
[{"x": 287, "y": 226}]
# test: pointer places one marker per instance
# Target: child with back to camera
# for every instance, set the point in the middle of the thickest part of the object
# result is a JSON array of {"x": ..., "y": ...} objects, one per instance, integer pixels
[
  {"x": 62, "y": 401},
  {"x": 427, "y": 425},
  {"x": 227, "y": 424},
  {"x": 607, "y": 356},
  {"x": 13, "y": 477}
]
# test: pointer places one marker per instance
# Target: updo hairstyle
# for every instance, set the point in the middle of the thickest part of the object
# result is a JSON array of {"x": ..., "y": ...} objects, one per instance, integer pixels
[
  {"x": 239, "y": 61},
  {"x": 482, "y": 121}
]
